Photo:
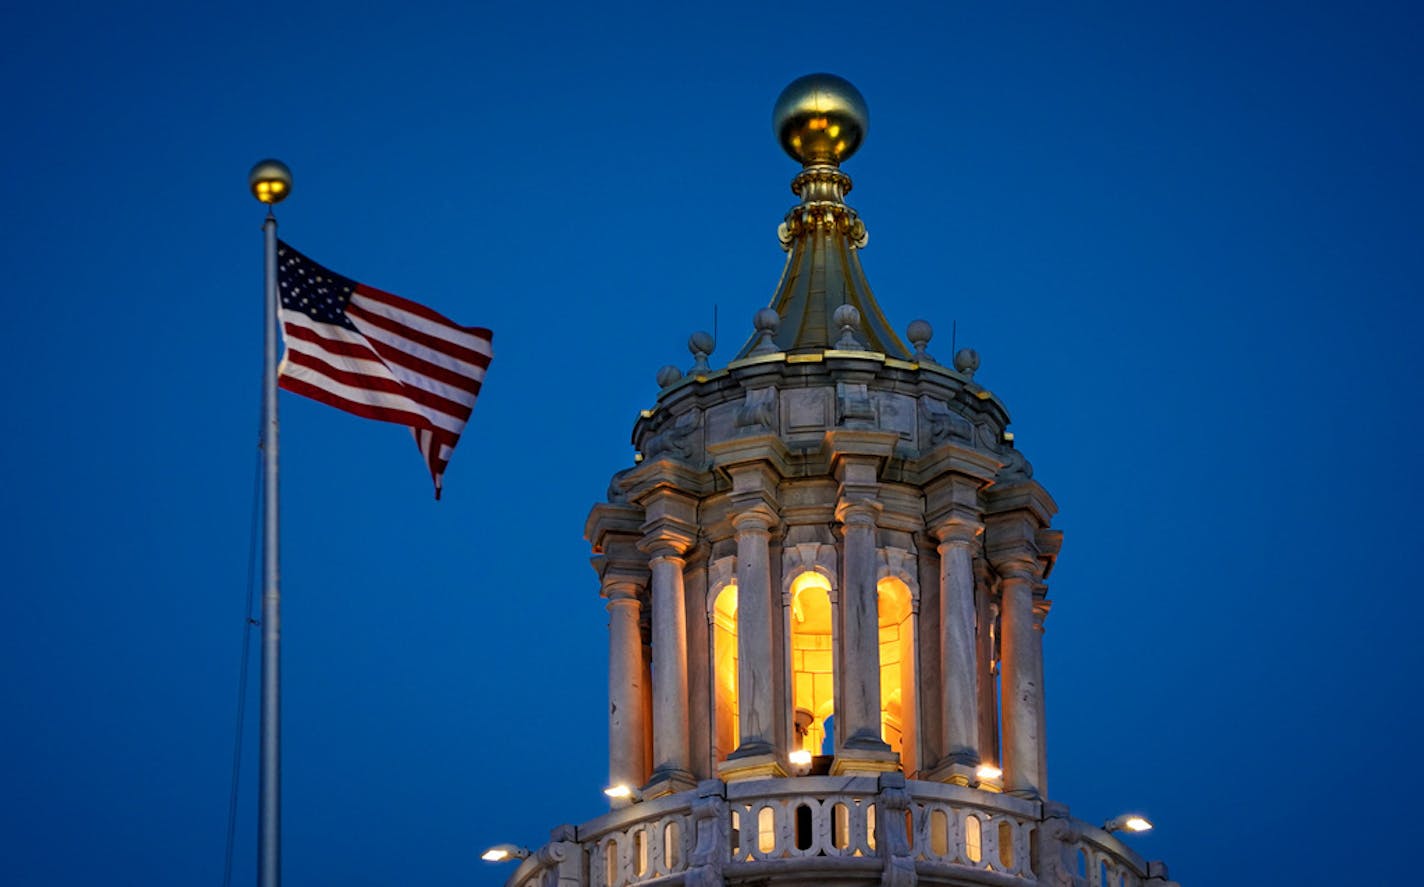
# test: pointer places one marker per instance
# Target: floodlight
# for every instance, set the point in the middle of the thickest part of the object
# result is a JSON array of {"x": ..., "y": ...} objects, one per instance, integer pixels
[
  {"x": 1128, "y": 822},
  {"x": 502, "y": 852}
]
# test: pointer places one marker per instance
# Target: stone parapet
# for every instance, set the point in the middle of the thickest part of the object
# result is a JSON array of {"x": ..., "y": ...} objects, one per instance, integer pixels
[{"x": 854, "y": 830}]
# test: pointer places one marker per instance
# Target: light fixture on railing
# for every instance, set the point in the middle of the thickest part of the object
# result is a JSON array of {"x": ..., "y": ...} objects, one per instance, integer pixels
[
  {"x": 623, "y": 792},
  {"x": 502, "y": 852},
  {"x": 800, "y": 760},
  {"x": 1128, "y": 822},
  {"x": 988, "y": 771}
]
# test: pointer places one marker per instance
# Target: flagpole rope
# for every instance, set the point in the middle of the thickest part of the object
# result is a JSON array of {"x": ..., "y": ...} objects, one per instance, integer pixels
[{"x": 248, "y": 622}]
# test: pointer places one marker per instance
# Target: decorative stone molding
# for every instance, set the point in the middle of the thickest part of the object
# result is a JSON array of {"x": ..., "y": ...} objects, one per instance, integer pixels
[
  {"x": 563, "y": 859},
  {"x": 901, "y": 564},
  {"x": 674, "y": 439},
  {"x": 1059, "y": 838},
  {"x": 708, "y": 835},
  {"x": 721, "y": 572},
  {"x": 808, "y": 557},
  {"x": 853, "y": 406},
  {"x": 758, "y": 411},
  {"x": 944, "y": 424},
  {"x": 894, "y": 841}
]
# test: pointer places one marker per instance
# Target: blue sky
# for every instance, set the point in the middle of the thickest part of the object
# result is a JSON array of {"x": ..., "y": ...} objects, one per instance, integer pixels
[{"x": 1185, "y": 240}]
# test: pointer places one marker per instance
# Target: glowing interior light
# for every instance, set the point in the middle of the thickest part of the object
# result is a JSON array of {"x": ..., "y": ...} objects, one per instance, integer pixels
[
  {"x": 495, "y": 854},
  {"x": 801, "y": 757},
  {"x": 618, "y": 792},
  {"x": 988, "y": 771}
]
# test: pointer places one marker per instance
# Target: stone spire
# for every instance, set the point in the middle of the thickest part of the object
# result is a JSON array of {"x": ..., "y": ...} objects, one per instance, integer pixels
[{"x": 820, "y": 120}]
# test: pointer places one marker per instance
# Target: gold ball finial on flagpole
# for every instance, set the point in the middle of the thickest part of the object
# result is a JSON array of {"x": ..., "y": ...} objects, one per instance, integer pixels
[{"x": 270, "y": 181}]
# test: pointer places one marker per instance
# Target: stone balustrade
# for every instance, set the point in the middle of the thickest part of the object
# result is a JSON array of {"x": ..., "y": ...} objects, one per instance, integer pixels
[{"x": 752, "y": 830}]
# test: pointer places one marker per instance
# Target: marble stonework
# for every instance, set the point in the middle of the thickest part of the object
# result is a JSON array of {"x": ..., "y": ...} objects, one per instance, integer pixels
[{"x": 828, "y": 448}]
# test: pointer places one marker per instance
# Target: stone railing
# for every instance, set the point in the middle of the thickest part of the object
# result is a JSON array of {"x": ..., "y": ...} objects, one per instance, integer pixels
[{"x": 876, "y": 829}]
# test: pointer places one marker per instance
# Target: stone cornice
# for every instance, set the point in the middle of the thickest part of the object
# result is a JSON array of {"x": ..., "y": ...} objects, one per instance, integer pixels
[
  {"x": 766, "y": 448},
  {"x": 842, "y": 443},
  {"x": 1026, "y": 495},
  {"x": 1049, "y": 542},
  {"x": 607, "y": 519},
  {"x": 652, "y": 475},
  {"x": 955, "y": 459}
]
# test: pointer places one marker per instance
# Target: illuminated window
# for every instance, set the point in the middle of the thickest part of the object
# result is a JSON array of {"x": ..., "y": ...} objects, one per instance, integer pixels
[
  {"x": 812, "y": 665},
  {"x": 724, "y": 670},
  {"x": 897, "y": 670}
]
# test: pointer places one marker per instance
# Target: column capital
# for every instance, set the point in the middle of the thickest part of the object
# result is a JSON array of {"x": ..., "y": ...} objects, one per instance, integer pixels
[
  {"x": 666, "y": 555},
  {"x": 957, "y": 530},
  {"x": 1017, "y": 568},
  {"x": 858, "y": 511},
  {"x": 756, "y": 517},
  {"x": 666, "y": 538},
  {"x": 623, "y": 593}
]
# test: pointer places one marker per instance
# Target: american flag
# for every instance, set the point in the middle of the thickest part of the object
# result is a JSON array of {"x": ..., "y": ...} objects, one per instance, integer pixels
[{"x": 379, "y": 356}]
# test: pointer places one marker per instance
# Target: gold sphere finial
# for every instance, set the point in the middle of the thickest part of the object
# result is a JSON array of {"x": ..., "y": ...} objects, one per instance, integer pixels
[
  {"x": 820, "y": 118},
  {"x": 270, "y": 181}
]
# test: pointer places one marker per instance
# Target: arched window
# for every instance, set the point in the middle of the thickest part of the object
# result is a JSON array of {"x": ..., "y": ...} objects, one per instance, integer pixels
[
  {"x": 897, "y": 670},
  {"x": 812, "y": 665},
  {"x": 724, "y": 671}
]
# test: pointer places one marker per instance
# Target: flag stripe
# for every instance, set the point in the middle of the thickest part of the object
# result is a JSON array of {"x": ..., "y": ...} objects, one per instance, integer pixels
[
  {"x": 414, "y": 341},
  {"x": 322, "y": 391},
  {"x": 403, "y": 312},
  {"x": 358, "y": 359},
  {"x": 441, "y": 413},
  {"x": 379, "y": 356},
  {"x": 437, "y": 380}
]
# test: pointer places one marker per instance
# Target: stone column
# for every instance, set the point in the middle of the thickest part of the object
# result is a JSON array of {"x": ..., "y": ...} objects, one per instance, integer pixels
[
  {"x": 627, "y": 726},
  {"x": 958, "y": 653},
  {"x": 671, "y": 765},
  {"x": 1040, "y": 612},
  {"x": 987, "y": 610},
  {"x": 1021, "y": 670},
  {"x": 700, "y": 705},
  {"x": 858, "y": 720},
  {"x": 756, "y": 748}
]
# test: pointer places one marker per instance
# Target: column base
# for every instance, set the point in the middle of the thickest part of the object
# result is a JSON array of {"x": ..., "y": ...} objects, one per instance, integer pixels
[
  {"x": 757, "y": 765},
  {"x": 866, "y": 762},
  {"x": 668, "y": 782},
  {"x": 953, "y": 771}
]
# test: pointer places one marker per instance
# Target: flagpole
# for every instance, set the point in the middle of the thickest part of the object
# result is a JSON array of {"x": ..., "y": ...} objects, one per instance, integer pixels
[{"x": 270, "y": 182}]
